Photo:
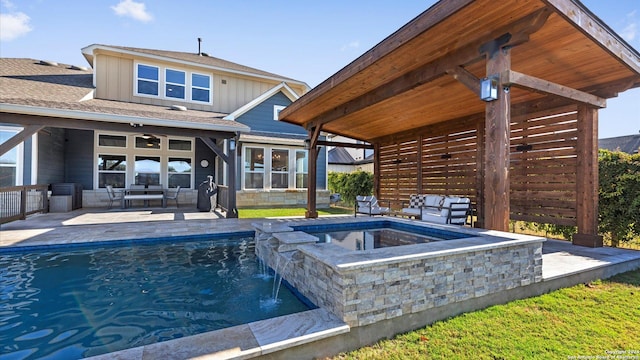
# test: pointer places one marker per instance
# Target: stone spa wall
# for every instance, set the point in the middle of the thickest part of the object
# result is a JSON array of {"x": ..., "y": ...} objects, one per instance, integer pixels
[{"x": 364, "y": 287}]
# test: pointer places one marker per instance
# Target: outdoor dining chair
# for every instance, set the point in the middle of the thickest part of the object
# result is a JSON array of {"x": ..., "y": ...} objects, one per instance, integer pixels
[
  {"x": 174, "y": 196},
  {"x": 113, "y": 195}
]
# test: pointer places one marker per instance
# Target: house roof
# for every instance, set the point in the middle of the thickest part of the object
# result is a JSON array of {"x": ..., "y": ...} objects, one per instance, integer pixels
[
  {"x": 629, "y": 144},
  {"x": 339, "y": 155},
  {"x": 203, "y": 60},
  {"x": 32, "y": 87},
  {"x": 429, "y": 71},
  {"x": 283, "y": 87}
]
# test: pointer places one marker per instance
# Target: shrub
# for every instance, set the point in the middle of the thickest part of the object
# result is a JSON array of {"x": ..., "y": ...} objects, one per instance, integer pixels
[{"x": 350, "y": 185}]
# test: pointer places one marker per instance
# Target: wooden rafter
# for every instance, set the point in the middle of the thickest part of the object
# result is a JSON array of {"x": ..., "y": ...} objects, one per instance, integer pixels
[
  {"x": 514, "y": 78},
  {"x": 466, "y": 78}
]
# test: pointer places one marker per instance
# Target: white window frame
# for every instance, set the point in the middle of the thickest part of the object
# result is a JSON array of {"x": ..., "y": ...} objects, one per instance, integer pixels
[
  {"x": 126, "y": 159},
  {"x": 191, "y": 173},
  {"x": 192, "y": 87},
  {"x": 276, "y": 111},
  {"x": 264, "y": 171},
  {"x": 136, "y": 78},
  {"x": 162, "y": 84},
  {"x": 167, "y": 82},
  {"x": 130, "y": 152},
  {"x": 295, "y": 168},
  {"x": 19, "y": 156},
  {"x": 272, "y": 171}
]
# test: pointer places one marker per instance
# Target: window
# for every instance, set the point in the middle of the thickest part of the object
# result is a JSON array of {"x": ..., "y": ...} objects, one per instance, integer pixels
[
  {"x": 279, "y": 169},
  {"x": 147, "y": 170},
  {"x": 112, "y": 170},
  {"x": 147, "y": 80},
  {"x": 201, "y": 88},
  {"x": 276, "y": 111},
  {"x": 254, "y": 168},
  {"x": 9, "y": 161},
  {"x": 302, "y": 169},
  {"x": 183, "y": 145},
  {"x": 174, "y": 84},
  {"x": 147, "y": 142},
  {"x": 179, "y": 170},
  {"x": 112, "y": 141}
]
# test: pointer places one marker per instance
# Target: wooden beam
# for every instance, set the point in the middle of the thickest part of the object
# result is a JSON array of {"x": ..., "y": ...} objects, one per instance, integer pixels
[
  {"x": 344, "y": 144},
  {"x": 587, "y": 178},
  {"x": 466, "y": 78},
  {"x": 497, "y": 142},
  {"x": 595, "y": 29},
  {"x": 465, "y": 55},
  {"x": 18, "y": 138},
  {"x": 312, "y": 212},
  {"x": 514, "y": 78}
]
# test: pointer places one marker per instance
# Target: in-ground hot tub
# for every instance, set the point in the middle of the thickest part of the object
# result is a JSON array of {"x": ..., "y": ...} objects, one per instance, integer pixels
[{"x": 366, "y": 286}]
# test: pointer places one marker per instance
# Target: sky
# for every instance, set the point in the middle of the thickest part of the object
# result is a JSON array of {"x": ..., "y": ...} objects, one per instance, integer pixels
[{"x": 304, "y": 40}]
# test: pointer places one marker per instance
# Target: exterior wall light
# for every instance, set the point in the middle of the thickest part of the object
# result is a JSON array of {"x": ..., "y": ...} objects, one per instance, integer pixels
[
  {"x": 232, "y": 144},
  {"x": 489, "y": 88}
]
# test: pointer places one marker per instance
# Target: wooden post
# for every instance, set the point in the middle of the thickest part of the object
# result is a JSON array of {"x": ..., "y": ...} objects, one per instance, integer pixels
[
  {"x": 496, "y": 157},
  {"x": 480, "y": 178},
  {"x": 312, "y": 212},
  {"x": 232, "y": 210},
  {"x": 587, "y": 178}
]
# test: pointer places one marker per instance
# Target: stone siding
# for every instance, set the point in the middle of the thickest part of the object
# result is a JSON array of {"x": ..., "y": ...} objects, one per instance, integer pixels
[{"x": 366, "y": 292}]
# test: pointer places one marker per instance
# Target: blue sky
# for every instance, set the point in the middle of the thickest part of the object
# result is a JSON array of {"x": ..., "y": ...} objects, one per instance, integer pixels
[{"x": 304, "y": 40}]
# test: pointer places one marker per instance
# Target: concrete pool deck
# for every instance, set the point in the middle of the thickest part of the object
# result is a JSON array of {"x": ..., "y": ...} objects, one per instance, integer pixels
[{"x": 314, "y": 333}]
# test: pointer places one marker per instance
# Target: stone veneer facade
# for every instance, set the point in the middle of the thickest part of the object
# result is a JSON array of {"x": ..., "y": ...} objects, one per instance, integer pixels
[{"x": 369, "y": 286}]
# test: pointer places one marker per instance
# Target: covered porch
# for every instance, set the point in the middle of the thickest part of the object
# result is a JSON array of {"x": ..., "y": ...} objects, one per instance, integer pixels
[{"x": 497, "y": 102}]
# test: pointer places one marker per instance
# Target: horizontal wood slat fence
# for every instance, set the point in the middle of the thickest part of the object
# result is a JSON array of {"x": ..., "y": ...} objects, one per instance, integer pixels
[{"x": 445, "y": 159}]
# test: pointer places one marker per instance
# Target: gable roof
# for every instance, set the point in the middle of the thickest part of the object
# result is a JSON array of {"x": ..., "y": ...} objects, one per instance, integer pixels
[
  {"x": 201, "y": 60},
  {"x": 31, "y": 87},
  {"x": 283, "y": 87},
  {"x": 339, "y": 155},
  {"x": 629, "y": 143}
]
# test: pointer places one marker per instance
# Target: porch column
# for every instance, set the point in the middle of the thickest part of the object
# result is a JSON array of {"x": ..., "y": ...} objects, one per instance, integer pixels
[
  {"x": 587, "y": 178},
  {"x": 232, "y": 211},
  {"x": 496, "y": 155},
  {"x": 312, "y": 212}
]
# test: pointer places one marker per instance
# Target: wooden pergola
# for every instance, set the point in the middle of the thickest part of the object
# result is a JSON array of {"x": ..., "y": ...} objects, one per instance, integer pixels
[{"x": 530, "y": 154}]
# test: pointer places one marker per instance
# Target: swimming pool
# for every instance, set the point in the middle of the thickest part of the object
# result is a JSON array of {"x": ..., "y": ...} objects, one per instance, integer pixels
[{"x": 84, "y": 301}]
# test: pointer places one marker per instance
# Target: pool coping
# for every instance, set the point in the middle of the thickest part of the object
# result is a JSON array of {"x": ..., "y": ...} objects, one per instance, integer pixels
[{"x": 242, "y": 341}]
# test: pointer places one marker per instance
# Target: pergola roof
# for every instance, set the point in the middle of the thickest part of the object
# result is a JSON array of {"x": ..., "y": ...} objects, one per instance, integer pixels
[{"x": 428, "y": 71}]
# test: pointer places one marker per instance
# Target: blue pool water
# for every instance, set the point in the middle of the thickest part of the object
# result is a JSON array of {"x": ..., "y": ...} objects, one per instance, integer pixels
[
  {"x": 377, "y": 234},
  {"x": 87, "y": 301}
]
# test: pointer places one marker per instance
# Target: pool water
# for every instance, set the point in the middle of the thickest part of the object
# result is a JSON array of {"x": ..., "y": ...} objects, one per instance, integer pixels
[
  {"x": 372, "y": 238},
  {"x": 83, "y": 302}
]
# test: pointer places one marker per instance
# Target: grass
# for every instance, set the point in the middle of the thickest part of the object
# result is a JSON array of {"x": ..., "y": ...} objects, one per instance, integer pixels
[
  {"x": 584, "y": 320},
  {"x": 283, "y": 212}
]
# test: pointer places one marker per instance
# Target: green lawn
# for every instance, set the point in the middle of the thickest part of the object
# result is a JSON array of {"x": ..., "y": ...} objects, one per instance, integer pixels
[
  {"x": 281, "y": 212},
  {"x": 590, "y": 320}
]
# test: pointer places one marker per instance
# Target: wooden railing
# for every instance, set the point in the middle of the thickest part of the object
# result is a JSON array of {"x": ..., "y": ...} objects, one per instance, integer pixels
[
  {"x": 223, "y": 197},
  {"x": 16, "y": 202}
]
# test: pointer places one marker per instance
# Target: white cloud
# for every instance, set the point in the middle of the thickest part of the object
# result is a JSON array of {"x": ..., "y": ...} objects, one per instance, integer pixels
[
  {"x": 8, "y": 4},
  {"x": 13, "y": 26},
  {"x": 630, "y": 31},
  {"x": 135, "y": 10},
  {"x": 351, "y": 45}
]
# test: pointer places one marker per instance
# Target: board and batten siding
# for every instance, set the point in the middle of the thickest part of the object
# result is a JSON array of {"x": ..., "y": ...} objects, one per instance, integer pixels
[
  {"x": 115, "y": 81},
  {"x": 260, "y": 118},
  {"x": 79, "y": 158},
  {"x": 51, "y": 162}
]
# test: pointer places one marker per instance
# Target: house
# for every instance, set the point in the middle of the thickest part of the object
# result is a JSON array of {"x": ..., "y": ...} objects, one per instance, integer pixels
[
  {"x": 143, "y": 116},
  {"x": 629, "y": 143},
  {"x": 346, "y": 159}
]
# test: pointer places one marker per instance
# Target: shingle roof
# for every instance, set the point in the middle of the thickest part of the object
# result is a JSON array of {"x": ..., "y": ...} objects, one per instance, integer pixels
[
  {"x": 27, "y": 82},
  {"x": 629, "y": 144},
  {"x": 206, "y": 60},
  {"x": 339, "y": 155}
]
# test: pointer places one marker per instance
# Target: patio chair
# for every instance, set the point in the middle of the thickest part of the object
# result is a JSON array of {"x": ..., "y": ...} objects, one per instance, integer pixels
[
  {"x": 174, "y": 196},
  {"x": 113, "y": 195},
  {"x": 369, "y": 205}
]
